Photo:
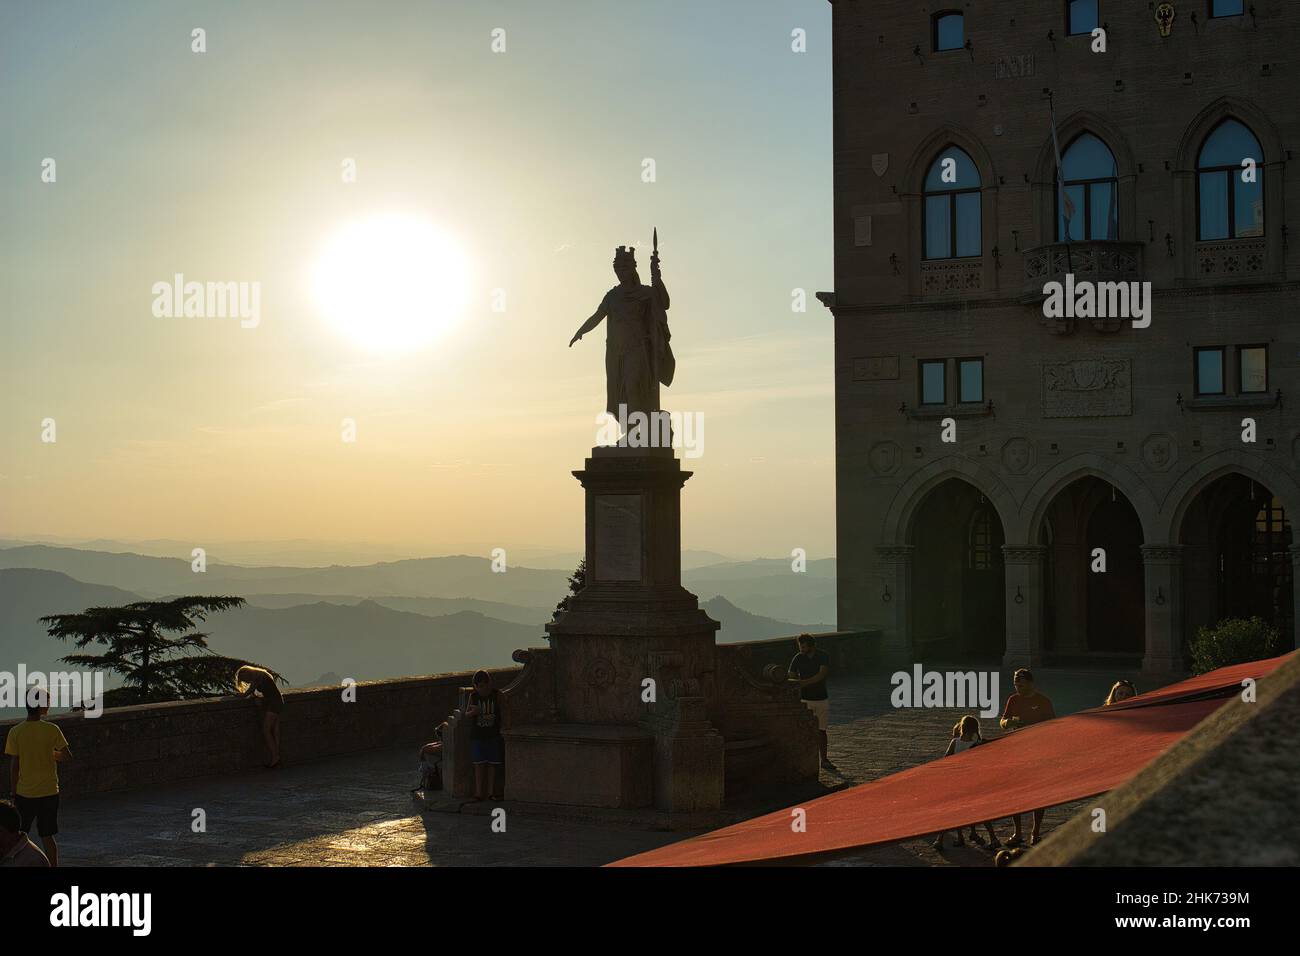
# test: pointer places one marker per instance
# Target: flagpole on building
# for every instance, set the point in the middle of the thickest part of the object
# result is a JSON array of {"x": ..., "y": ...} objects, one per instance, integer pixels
[{"x": 1060, "y": 182}]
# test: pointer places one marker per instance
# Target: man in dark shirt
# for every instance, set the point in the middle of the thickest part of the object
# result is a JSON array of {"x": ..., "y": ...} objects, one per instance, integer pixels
[
  {"x": 810, "y": 669},
  {"x": 1026, "y": 706}
]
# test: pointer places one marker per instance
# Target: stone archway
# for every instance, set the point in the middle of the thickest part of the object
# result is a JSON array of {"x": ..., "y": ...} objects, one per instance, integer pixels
[
  {"x": 896, "y": 528},
  {"x": 1236, "y": 538},
  {"x": 958, "y": 609},
  {"x": 1093, "y": 576},
  {"x": 1126, "y": 482}
]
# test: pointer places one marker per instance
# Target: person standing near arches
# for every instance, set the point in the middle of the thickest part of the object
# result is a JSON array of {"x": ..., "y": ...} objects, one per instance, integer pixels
[
  {"x": 809, "y": 670},
  {"x": 1025, "y": 707}
]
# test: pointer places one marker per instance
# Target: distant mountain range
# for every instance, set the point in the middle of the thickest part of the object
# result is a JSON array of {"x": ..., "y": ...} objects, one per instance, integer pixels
[
  {"x": 431, "y": 607},
  {"x": 311, "y": 554},
  {"x": 769, "y": 587},
  {"x": 764, "y": 586},
  {"x": 739, "y": 625},
  {"x": 27, "y": 595},
  {"x": 310, "y": 629},
  {"x": 454, "y": 576}
]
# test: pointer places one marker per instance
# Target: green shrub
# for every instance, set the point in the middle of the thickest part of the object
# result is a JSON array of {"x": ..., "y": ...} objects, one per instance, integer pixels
[{"x": 1233, "y": 641}]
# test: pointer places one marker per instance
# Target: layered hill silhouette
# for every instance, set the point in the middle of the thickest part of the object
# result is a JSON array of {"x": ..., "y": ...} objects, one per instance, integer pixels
[
  {"x": 364, "y": 640},
  {"x": 767, "y": 587},
  {"x": 453, "y": 576},
  {"x": 28, "y": 594},
  {"x": 431, "y": 607},
  {"x": 304, "y": 635}
]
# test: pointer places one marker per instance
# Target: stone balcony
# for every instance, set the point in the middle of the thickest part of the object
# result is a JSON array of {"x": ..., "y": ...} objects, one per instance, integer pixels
[
  {"x": 951, "y": 278},
  {"x": 1232, "y": 260},
  {"x": 1088, "y": 261}
]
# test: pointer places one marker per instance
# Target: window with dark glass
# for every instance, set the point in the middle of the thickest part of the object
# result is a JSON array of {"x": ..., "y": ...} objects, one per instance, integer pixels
[
  {"x": 970, "y": 380},
  {"x": 1227, "y": 8},
  {"x": 1209, "y": 371},
  {"x": 981, "y": 552},
  {"x": 1252, "y": 369},
  {"x": 1228, "y": 207},
  {"x": 933, "y": 385},
  {"x": 1089, "y": 207},
  {"x": 949, "y": 31},
  {"x": 1081, "y": 16},
  {"x": 951, "y": 209}
]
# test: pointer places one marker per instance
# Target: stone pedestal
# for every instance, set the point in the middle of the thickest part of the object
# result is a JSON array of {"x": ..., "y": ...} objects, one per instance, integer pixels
[
  {"x": 608, "y": 764},
  {"x": 634, "y": 603},
  {"x": 632, "y": 660},
  {"x": 634, "y": 703}
]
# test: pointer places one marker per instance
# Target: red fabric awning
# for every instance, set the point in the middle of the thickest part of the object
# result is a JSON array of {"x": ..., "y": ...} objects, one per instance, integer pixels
[{"x": 1044, "y": 765}]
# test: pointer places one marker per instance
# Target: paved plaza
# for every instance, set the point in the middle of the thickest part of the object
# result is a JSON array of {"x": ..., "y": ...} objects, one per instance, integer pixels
[{"x": 358, "y": 811}]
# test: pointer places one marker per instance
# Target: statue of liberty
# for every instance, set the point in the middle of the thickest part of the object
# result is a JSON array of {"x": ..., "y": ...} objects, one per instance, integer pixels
[{"x": 638, "y": 357}]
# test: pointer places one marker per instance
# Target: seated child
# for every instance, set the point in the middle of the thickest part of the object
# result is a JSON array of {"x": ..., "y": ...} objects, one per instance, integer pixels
[
  {"x": 430, "y": 763},
  {"x": 966, "y": 734}
]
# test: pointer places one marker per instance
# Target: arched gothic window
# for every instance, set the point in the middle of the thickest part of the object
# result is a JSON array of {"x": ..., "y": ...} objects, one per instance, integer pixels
[
  {"x": 1089, "y": 206},
  {"x": 952, "y": 207},
  {"x": 1230, "y": 196}
]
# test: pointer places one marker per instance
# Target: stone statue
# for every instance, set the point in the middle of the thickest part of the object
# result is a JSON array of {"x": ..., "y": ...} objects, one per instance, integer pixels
[{"x": 638, "y": 358}]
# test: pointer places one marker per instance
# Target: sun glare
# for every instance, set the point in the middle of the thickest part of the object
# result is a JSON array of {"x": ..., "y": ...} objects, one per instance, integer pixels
[{"x": 392, "y": 282}]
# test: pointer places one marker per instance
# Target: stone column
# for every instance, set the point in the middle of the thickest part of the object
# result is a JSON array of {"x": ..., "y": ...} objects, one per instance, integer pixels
[
  {"x": 895, "y": 597},
  {"x": 1295, "y": 597},
  {"x": 1024, "y": 596},
  {"x": 1163, "y": 567}
]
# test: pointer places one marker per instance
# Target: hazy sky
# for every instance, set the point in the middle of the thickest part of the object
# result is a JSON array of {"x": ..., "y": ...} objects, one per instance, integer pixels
[{"x": 226, "y": 166}]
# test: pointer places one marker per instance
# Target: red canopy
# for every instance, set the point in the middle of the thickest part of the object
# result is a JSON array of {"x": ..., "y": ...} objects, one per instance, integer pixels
[{"x": 1043, "y": 765}]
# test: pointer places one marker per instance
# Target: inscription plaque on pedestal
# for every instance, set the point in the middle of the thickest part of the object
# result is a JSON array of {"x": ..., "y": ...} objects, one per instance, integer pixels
[{"x": 618, "y": 538}]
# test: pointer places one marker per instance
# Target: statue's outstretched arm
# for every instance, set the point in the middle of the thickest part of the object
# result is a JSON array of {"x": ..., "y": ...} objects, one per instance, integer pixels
[{"x": 590, "y": 324}]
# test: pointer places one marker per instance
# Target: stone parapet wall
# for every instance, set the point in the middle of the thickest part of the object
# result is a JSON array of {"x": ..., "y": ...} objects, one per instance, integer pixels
[{"x": 128, "y": 748}]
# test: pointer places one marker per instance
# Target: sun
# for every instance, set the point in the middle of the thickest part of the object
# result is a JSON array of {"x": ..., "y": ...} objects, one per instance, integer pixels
[{"x": 392, "y": 282}]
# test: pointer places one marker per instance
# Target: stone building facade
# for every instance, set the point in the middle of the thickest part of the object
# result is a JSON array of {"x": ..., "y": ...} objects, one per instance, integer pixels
[{"x": 1069, "y": 438}]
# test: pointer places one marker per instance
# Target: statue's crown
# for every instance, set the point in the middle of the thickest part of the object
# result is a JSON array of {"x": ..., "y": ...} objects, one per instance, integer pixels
[{"x": 625, "y": 255}]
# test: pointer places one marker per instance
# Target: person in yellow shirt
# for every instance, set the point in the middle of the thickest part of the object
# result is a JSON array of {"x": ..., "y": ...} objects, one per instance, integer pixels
[{"x": 36, "y": 747}]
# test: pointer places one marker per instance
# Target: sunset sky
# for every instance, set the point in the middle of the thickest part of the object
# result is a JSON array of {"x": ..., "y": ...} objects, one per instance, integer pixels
[{"x": 225, "y": 166}]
